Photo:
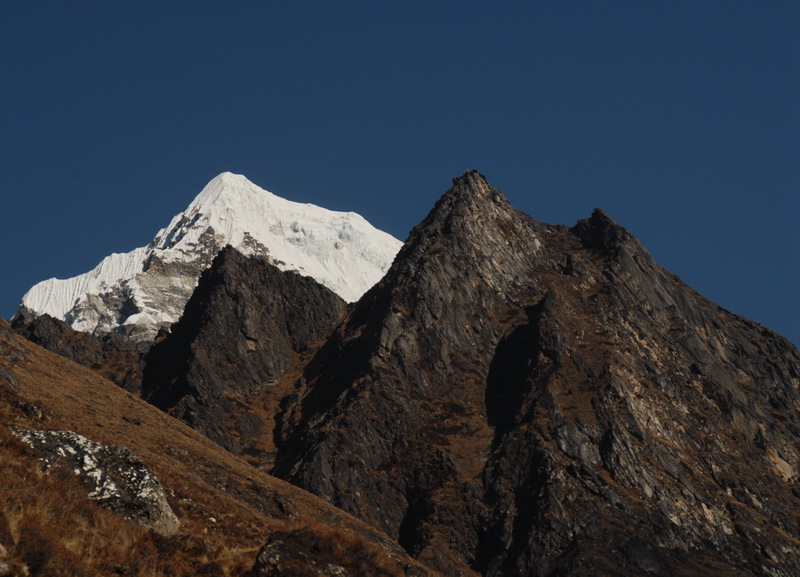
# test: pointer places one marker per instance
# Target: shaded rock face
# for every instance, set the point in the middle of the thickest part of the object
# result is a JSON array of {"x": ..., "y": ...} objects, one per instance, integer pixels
[
  {"x": 118, "y": 479},
  {"x": 516, "y": 398},
  {"x": 239, "y": 333},
  {"x": 10, "y": 347},
  {"x": 12, "y": 351},
  {"x": 8, "y": 377},
  {"x": 113, "y": 355}
]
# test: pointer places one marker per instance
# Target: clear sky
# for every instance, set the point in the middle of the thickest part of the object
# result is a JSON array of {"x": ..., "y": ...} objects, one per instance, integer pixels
[{"x": 679, "y": 119}]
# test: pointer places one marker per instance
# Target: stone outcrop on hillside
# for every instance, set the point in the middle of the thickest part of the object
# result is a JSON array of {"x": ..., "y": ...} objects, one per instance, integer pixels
[
  {"x": 7, "y": 376},
  {"x": 517, "y": 398},
  {"x": 12, "y": 351},
  {"x": 9, "y": 344},
  {"x": 118, "y": 480},
  {"x": 307, "y": 553},
  {"x": 240, "y": 331}
]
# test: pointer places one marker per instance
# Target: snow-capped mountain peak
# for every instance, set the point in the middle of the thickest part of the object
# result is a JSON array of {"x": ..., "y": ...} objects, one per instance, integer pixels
[{"x": 146, "y": 288}]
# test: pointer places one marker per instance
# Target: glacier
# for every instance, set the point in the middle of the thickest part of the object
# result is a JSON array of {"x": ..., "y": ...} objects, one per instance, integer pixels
[{"x": 143, "y": 290}]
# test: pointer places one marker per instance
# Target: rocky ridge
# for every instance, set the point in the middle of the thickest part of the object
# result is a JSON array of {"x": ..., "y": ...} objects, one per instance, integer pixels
[
  {"x": 241, "y": 330},
  {"x": 517, "y": 398},
  {"x": 113, "y": 355}
]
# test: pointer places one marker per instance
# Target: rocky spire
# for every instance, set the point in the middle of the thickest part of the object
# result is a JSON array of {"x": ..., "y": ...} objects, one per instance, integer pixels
[
  {"x": 414, "y": 354},
  {"x": 524, "y": 399}
]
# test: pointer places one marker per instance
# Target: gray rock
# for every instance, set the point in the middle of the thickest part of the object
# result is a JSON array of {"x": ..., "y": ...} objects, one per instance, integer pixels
[
  {"x": 7, "y": 376},
  {"x": 117, "y": 479}
]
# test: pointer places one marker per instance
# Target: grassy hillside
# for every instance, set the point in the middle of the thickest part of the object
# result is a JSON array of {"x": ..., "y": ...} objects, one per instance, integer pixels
[{"x": 227, "y": 508}]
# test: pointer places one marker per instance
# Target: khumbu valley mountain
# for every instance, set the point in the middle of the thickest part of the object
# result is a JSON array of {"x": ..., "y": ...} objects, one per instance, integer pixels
[{"x": 511, "y": 398}]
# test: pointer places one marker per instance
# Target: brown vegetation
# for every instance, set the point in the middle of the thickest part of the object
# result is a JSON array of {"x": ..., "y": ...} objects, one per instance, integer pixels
[{"x": 227, "y": 508}]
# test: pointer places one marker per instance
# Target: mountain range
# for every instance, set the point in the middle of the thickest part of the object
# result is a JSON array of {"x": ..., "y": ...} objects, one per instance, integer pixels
[{"x": 510, "y": 397}]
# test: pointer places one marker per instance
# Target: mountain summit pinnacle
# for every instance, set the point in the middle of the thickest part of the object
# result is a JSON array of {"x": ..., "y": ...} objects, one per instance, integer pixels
[
  {"x": 472, "y": 191},
  {"x": 140, "y": 291},
  {"x": 473, "y": 181},
  {"x": 474, "y": 221}
]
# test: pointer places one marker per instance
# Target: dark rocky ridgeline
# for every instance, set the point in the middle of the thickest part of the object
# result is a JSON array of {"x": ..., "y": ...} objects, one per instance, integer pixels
[
  {"x": 114, "y": 355},
  {"x": 241, "y": 329},
  {"x": 516, "y": 398}
]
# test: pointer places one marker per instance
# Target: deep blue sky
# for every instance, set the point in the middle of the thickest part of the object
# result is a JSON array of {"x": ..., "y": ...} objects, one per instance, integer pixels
[{"x": 679, "y": 119}]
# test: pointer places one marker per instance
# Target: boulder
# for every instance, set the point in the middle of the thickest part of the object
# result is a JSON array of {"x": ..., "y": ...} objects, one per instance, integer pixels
[{"x": 118, "y": 480}]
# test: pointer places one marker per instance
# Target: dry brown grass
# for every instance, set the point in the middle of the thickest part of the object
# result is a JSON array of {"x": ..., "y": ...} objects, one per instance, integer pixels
[
  {"x": 53, "y": 529},
  {"x": 227, "y": 508}
]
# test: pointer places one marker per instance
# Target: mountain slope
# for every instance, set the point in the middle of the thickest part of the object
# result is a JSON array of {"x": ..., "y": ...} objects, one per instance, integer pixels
[
  {"x": 243, "y": 327},
  {"x": 228, "y": 509},
  {"x": 112, "y": 355},
  {"x": 140, "y": 291},
  {"x": 517, "y": 398}
]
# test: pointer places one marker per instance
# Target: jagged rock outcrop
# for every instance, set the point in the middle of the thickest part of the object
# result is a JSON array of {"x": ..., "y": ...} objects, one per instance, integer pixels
[
  {"x": 9, "y": 345},
  {"x": 240, "y": 331},
  {"x": 7, "y": 376},
  {"x": 274, "y": 558},
  {"x": 517, "y": 398},
  {"x": 113, "y": 355},
  {"x": 118, "y": 479},
  {"x": 12, "y": 352}
]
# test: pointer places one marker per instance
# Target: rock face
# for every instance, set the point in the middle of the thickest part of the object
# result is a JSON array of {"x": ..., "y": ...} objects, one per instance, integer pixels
[
  {"x": 8, "y": 377},
  {"x": 273, "y": 559},
  {"x": 517, "y": 398},
  {"x": 118, "y": 479},
  {"x": 9, "y": 344},
  {"x": 241, "y": 330},
  {"x": 114, "y": 356},
  {"x": 11, "y": 350}
]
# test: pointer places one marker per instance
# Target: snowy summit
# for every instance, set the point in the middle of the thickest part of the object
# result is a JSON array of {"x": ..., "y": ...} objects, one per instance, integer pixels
[{"x": 142, "y": 290}]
